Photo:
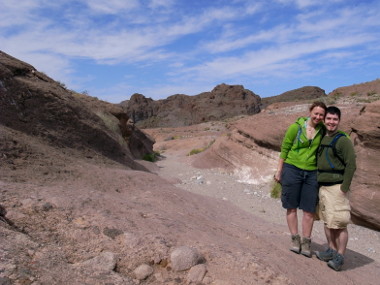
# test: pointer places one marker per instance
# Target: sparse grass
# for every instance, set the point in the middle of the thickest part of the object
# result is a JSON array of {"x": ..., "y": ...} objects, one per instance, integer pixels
[
  {"x": 196, "y": 151},
  {"x": 199, "y": 150},
  {"x": 371, "y": 93},
  {"x": 276, "y": 190},
  {"x": 332, "y": 99}
]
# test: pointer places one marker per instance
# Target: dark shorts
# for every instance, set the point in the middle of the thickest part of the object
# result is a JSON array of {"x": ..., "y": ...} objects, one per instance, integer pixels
[{"x": 299, "y": 188}]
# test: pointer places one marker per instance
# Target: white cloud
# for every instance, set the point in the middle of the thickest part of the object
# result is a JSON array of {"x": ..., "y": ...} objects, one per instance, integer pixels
[
  {"x": 112, "y": 6},
  {"x": 154, "y": 4},
  {"x": 268, "y": 60},
  {"x": 231, "y": 40}
]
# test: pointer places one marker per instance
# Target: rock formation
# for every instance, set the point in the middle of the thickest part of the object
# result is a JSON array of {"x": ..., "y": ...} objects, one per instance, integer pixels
[
  {"x": 224, "y": 101},
  {"x": 253, "y": 144},
  {"x": 365, "y": 196},
  {"x": 32, "y": 104}
]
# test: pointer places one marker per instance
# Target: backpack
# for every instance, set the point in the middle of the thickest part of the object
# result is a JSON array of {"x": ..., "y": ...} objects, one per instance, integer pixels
[{"x": 332, "y": 145}]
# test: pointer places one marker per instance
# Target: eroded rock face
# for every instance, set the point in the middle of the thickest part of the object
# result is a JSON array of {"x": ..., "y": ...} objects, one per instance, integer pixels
[
  {"x": 35, "y": 105},
  {"x": 224, "y": 101},
  {"x": 365, "y": 195},
  {"x": 253, "y": 143}
]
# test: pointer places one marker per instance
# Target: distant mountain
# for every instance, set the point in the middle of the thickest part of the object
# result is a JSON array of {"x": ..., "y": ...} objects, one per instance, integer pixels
[
  {"x": 224, "y": 101},
  {"x": 299, "y": 94}
]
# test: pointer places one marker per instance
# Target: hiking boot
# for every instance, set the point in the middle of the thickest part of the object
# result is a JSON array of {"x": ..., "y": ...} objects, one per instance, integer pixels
[
  {"x": 305, "y": 247},
  {"x": 296, "y": 243},
  {"x": 326, "y": 255},
  {"x": 337, "y": 262}
]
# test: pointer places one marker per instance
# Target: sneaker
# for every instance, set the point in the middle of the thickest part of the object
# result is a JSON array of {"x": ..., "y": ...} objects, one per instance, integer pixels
[
  {"x": 305, "y": 247},
  {"x": 337, "y": 262},
  {"x": 296, "y": 244},
  {"x": 326, "y": 255}
]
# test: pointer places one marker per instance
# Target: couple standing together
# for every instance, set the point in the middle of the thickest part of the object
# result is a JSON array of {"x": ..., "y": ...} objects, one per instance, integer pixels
[{"x": 316, "y": 166}]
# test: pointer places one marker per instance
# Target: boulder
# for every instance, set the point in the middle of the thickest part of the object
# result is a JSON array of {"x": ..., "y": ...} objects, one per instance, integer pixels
[{"x": 365, "y": 194}]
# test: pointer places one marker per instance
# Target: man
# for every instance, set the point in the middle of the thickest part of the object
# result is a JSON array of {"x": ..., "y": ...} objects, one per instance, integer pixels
[{"x": 336, "y": 167}]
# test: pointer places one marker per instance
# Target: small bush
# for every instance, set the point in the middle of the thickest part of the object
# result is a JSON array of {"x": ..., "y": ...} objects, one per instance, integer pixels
[
  {"x": 276, "y": 190},
  {"x": 152, "y": 157}
]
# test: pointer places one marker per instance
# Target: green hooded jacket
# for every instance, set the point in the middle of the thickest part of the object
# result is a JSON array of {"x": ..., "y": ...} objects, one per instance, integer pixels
[{"x": 297, "y": 149}]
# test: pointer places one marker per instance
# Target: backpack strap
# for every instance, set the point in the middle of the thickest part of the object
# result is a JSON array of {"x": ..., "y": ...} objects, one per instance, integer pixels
[{"x": 333, "y": 143}]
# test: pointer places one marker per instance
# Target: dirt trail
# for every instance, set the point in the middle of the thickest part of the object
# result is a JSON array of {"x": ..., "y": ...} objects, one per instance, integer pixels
[{"x": 364, "y": 244}]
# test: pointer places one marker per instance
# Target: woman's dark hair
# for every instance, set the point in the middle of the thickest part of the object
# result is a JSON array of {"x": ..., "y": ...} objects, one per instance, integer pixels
[
  {"x": 318, "y": 104},
  {"x": 333, "y": 110}
]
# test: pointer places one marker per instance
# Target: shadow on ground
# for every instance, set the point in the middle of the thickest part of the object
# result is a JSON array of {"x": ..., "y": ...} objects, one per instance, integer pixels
[{"x": 352, "y": 259}]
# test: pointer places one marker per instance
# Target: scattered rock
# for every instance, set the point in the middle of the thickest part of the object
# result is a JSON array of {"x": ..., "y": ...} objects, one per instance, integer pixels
[
  {"x": 112, "y": 233},
  {"x": 143, "y": 271},
  {"x": 196, "y": 273},
  {"x": 183, "y": 258},
  {"x": 101, "y": 264}
]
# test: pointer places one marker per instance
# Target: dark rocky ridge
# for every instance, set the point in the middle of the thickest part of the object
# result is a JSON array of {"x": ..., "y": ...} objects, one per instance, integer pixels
[
  {"x": 224, "y": 101},
  {"x": 35, "y": 105}
]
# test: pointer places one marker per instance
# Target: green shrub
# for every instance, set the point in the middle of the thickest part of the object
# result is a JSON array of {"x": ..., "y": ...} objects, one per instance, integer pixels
[
  {"x": 276, "y": 190},
  {"x": 152, "y": 157}
]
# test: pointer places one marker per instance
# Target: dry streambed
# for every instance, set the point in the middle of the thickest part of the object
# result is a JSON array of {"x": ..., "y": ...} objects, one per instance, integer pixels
[{"x": 254, "y": 199}]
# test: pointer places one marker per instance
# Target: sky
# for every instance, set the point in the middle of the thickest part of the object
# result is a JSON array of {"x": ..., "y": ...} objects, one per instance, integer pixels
[{"x": 115, "y": 48}]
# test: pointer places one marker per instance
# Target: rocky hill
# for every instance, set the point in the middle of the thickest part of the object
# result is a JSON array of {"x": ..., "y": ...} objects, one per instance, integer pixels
[
  {"x": 366, "y": 89},
  {"x": 224, "y": 101},
  {"x": 36, "y": 108},
  {"x": 305, "y": 93}
]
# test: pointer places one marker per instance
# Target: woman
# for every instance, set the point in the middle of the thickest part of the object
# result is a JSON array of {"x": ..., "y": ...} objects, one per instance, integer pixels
[{"x": 297, "y": 173}]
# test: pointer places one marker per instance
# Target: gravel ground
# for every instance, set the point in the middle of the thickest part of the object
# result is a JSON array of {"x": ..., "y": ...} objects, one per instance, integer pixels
[{"x": 255, "y": 199}]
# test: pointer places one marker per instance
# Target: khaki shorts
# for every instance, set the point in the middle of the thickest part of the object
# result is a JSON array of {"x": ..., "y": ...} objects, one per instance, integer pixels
[{"x": 334, "y": 207}]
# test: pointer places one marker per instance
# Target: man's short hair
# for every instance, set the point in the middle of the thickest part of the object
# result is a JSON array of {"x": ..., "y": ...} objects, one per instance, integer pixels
[{"x": 333, "y": 110}]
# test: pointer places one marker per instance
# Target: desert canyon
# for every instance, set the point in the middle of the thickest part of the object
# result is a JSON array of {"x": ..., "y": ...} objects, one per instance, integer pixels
[{"x": 174, "y": 191}]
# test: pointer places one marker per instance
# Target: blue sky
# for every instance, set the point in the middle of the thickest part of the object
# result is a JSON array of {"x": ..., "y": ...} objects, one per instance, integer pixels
[{"x": 115, "y": 48}]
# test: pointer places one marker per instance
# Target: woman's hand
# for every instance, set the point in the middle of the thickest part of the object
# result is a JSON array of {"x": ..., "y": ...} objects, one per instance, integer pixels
[{"x": 277, "y": 176}]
